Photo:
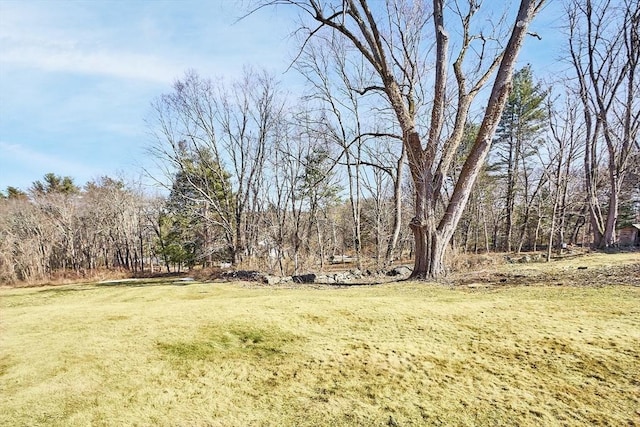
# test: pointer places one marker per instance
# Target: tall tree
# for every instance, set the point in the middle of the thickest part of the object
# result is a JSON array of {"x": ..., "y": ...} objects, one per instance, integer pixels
[
  {"x": 226, "y": 129},
  {"x": 53, "y": 183},
  {"x": 562, "y": 149},
  {"x": 329, "y": 74},
  {"x": 248, "y": 113},
  {"x": 392, "y": 39},
  {"x": 55, "y": 197},
  {"x": 517, "y": 141},
  {"x": 358, "y": 127},
  {"x": 604, "y": 50},
  {"x": 319, "y": 190},
  {"x": 285, "y": 166},
  {"x": 14, "y": 193}
]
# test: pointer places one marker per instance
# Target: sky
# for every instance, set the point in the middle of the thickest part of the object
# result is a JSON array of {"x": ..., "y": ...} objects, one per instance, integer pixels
[{"x": 77, "y": 77}]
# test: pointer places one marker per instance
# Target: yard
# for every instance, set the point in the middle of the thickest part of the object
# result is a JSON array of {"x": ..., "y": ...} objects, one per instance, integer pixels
[{"x": 234, "y": 354}]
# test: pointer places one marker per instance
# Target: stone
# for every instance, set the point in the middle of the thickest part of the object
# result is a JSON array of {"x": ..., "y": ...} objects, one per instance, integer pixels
[
  {"x": 304, "y": 278},
  {"x": 340, "y": 277},
  {"x": 401, "y": 270},
  {"x": 325, "y": 279},
  {"x": 271, "y": 280},
  {"x": 525, "y": 259},
  {"x": 247, "y": 275}
]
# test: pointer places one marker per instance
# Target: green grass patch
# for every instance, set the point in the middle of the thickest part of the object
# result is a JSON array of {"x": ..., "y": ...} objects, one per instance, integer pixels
[
  {"x": 412, "y": 354},
  {"x": 228, "y": 341}
]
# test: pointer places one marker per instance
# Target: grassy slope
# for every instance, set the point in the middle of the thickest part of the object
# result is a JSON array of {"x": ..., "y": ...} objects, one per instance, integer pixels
[{"x": 224, "y": 355}]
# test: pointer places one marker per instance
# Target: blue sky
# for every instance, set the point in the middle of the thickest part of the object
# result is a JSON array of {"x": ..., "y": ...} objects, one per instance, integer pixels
[{"x": 77, "y": 77}]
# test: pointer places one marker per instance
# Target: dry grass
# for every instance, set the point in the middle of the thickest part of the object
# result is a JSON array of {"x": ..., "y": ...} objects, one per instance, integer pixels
[
  {"x": 574, "y": 269},
  {"x": 154, "y": 353}
]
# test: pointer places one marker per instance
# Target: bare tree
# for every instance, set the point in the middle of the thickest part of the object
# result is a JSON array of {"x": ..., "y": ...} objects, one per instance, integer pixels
[
  {"x": 213, "y": 138},
  {"x": 604, "y": 50},
  {"x": 325, "y": 65},
  {"x": 186, "y": 146},
  {"x": 63, "y": 229},
  {"x": 351, "y": 122},
  {"x": 562, "y": 148},
  {"x": 26, "y": 241},
  {"x": 391, "y": 40},
  {"x": 248, "y": 115},
  {"x": 284, "y": 167}
]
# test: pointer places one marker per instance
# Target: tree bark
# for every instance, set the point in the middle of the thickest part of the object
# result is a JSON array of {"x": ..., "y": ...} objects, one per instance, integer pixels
[{"x": 396, "y": 62}]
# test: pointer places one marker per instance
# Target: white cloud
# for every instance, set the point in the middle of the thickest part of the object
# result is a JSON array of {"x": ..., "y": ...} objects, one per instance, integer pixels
[
  {"x": 46, "y": 37},
  {"x": 76, "y": 78},
  {"x": 138, "y": 41},
  {"x": 72, "y": 57},
  {"x": 18, "y": 156}
]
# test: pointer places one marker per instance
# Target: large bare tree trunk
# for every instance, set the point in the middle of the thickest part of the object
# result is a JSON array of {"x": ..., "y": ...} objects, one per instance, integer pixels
[
  {"x": 392, "y": 46},
  {"x": 431, "y": 237}
]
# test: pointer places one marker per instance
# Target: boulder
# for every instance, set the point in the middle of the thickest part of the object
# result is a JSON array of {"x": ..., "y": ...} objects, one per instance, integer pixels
[
  {"x": 341, "y": 277},
  {"x": 304, "y": 278},
  {"x": 247, "y": 275},
  {"x": 271, "y": 280},
  {"x": 325, "y": 279},
  {"x": 356, "y": 274},
  {"x": 401, "y": 270},
  {"x": 525, "y": 259}
]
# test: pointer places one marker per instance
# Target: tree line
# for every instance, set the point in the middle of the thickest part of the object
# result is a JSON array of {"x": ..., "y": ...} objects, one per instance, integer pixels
[{"x": 404, "y": 144}]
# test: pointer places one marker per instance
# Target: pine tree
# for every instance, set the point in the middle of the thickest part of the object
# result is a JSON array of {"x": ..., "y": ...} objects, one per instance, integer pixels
[
  {"x": 55, "y": 184},
  {"x": 517, "y": 140},
  {"x": 199, "y": 204}
]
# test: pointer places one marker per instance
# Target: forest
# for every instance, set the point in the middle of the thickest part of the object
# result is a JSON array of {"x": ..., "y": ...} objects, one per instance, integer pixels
[{"x": 408, "y": 144}]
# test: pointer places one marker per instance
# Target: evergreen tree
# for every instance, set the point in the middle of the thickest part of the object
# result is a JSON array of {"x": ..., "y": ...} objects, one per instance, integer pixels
[
  {"x": 55, "y": 184},
  {"x": 517, "y": 141},
  {"x": 317, "y": 190},
  {"x": 14, "y": 193},
  {"x": 197, "y": 211}
]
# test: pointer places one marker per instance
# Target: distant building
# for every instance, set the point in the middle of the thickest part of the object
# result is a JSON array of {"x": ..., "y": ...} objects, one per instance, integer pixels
[{"x": 629, "y": 235}]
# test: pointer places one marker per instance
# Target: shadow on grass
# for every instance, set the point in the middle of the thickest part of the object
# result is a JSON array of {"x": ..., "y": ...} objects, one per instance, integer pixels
[
  {"x": 60, "y": 291},
  {"x": 130, "y": 283},
  {"x": 137, "y": 283}
]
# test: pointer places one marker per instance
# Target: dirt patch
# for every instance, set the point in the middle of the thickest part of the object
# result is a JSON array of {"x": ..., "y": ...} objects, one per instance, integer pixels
[{"x": 626, "y": 274}]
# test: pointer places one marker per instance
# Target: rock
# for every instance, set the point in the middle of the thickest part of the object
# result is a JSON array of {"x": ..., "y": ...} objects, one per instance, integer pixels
[
  {"x": 341, "y": 277},
  {"x": 401, "y": 270},
  {"x": 304, "y": 278},
  {"x": 325, "y": 279},
  {"x": 248, "y": 275},
  {"x": 357, "y": 274},
  {"x": 272, "y": 280}
]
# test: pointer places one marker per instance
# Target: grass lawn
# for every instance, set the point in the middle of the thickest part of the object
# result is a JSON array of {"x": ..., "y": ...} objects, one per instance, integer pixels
[{"x": 211, "y": 354}]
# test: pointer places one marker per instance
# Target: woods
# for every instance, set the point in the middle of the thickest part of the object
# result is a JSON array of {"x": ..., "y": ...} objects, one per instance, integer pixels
[{"x": 418, "y": 136}]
